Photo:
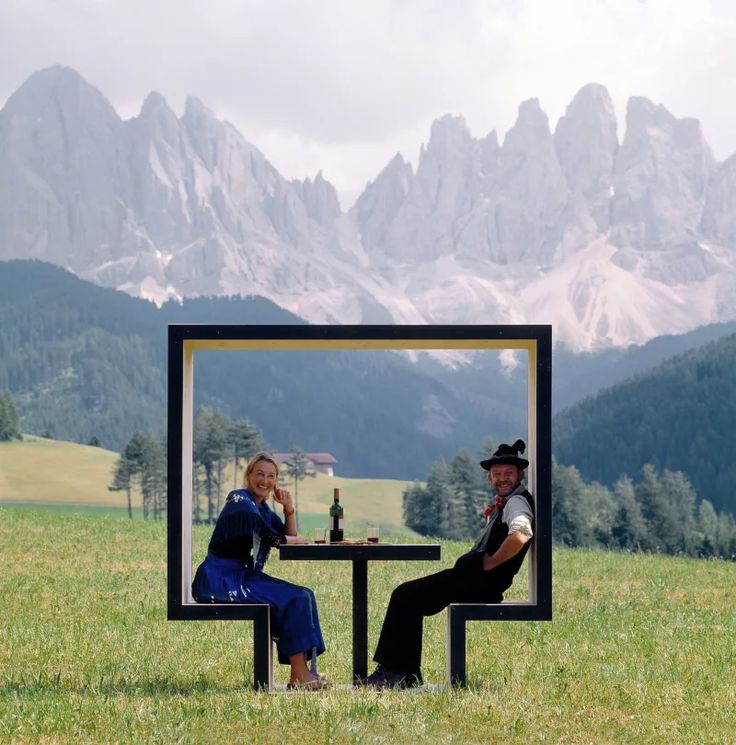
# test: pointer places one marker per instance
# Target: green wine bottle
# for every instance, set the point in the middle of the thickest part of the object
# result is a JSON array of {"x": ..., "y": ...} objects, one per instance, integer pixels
[{"x": 336, "y": 517}]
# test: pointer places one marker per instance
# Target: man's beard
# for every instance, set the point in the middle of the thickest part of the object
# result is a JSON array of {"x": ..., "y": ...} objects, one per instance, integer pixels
[{"x": 505, "y": 490}]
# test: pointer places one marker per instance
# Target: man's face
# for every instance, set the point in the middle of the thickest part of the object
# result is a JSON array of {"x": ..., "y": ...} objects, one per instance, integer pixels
[{"x": 504, "y": 479}]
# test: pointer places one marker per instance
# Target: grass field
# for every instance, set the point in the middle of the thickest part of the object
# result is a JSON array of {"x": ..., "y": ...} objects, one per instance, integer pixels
[
  {"x": 641, "y": 650},
  {"x": 64, "y": 475},
  {"x": 35, "y": 469}
]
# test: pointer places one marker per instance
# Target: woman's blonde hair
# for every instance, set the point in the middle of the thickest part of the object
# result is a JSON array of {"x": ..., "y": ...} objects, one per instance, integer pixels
[{"x": 254, "y": 461}]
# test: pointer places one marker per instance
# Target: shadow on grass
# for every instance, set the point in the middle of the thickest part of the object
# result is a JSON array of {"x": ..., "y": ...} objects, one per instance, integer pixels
[{"x": 40, "y": 685}]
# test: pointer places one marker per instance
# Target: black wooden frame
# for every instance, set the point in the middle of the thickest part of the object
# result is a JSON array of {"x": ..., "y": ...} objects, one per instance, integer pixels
[{"x": 184, "y": 339}]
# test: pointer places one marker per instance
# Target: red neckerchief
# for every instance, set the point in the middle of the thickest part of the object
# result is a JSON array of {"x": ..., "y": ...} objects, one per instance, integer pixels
[{"x": 499, "y": 504}]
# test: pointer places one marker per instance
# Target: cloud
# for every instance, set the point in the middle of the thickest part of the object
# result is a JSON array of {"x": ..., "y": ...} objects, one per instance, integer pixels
[{"x": 342, "y": 86}]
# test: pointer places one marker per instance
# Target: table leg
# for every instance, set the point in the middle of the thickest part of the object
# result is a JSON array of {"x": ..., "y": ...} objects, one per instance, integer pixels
[{"x": 360, "y": 619}]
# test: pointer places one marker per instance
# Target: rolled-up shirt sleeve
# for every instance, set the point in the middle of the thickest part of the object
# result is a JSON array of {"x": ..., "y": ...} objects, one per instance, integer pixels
[{"x": 518, "y": 516}]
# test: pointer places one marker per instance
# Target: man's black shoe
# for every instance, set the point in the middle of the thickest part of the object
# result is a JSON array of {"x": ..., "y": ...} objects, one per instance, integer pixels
[{"x": 382, "y": 678}]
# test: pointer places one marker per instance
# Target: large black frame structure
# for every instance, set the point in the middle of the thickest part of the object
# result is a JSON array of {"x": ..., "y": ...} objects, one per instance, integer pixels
[{"x": 185, "y": 339}]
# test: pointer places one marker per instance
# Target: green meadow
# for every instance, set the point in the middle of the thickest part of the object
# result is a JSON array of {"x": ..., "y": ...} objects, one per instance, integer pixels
[
  {"x": 64, "y": 476},
  {"x": 641, "y": 650}
]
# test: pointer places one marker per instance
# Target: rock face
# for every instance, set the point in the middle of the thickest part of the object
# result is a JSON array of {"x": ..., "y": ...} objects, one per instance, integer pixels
[
  {"x": 586, "y": 143},
  {"x": 660, "y": 179},
  {"x": 612, "y": 244}
]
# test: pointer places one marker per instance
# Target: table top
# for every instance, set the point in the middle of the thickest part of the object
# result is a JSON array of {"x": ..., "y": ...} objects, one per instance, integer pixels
[{"x": 361, "y": 551}]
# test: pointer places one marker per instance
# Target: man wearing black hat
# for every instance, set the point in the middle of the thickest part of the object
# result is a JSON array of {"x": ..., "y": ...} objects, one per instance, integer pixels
[{"x": 480, "y": 576}]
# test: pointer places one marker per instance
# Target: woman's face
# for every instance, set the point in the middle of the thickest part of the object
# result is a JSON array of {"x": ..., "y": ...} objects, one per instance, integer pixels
[{"x": 262, "y": 480}]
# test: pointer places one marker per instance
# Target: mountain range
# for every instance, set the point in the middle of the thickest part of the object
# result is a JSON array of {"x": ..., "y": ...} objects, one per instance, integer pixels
[{"x": 613, "y": 241}]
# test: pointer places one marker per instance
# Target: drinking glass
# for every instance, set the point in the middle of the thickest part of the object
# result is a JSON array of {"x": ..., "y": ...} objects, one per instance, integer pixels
[{"x": 372, "y": 532}]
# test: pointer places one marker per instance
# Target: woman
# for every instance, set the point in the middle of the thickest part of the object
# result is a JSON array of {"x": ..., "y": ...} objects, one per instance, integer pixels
[{"x": 233, "y": 570}]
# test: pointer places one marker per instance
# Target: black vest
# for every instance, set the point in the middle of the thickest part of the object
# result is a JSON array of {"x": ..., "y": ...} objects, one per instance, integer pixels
[{"x": 489, "y": 542}]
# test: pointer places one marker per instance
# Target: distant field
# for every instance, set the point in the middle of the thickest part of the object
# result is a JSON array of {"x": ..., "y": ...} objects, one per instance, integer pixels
[
  {"x": 64, "y": 474},
  {"x": 51, "y": 471},
  {"x": 641, "y": 650}
]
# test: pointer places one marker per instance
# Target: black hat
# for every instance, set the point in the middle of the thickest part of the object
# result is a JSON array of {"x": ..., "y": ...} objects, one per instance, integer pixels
[{"x": 507, "y": 455}]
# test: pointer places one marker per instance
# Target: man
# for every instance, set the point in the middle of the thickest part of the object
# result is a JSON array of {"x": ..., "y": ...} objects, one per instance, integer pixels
[{"x": 480, "y": 576}]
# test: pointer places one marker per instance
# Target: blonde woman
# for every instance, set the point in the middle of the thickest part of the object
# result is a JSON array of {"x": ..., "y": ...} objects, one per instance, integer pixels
[{"x": 245, "y": 532}]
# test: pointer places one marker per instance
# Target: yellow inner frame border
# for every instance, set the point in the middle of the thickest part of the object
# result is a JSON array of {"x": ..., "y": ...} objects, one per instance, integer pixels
[{"x": 192, "y": 345}]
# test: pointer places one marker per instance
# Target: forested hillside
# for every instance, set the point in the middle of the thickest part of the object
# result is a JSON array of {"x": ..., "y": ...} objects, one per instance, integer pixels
[
  {"x": 679, "y": 416},
  {"x": 87, "y": 363}
]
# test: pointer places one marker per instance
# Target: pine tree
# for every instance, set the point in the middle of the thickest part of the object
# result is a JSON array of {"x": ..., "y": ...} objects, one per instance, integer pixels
[
  {"x": 122, "y": 480},
  {"x": 682, "y": 500},
  {"x": 572, "y": 511},
  {"x": 656, "y": 510},
  {"x": 9, "y": 419},
  {"x": 298, "y": 468},
  {"x": 707, "y": 530},
  {"x": 413, "y": 508},
  {"x": 210, "y": 449},
  {"x": 628, "y": 528},
  {"x": 143, "y": 459},
  {"x": 467, "y": 498},
  {"x": 246, "y": 441}
]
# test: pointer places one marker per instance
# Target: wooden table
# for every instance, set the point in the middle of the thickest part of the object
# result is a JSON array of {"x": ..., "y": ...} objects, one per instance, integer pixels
[{"x": 360, "y": 554}]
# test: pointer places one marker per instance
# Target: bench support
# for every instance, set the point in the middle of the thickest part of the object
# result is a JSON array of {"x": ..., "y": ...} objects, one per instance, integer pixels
[
  {"x": 259, "y": 613},
  {"x": 262, "y": 650},
  {"x": 458, "y": 614}
]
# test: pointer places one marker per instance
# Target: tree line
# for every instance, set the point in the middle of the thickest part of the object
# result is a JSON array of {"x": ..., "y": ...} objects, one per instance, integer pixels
[
  {"x": 658, "y": 513},
  {"x": 220, "y": 447},
  {"x": 218, "y": 442}
]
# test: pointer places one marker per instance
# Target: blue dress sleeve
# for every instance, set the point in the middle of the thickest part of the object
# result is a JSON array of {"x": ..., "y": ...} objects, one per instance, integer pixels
[{"x": 277, "y": 525}]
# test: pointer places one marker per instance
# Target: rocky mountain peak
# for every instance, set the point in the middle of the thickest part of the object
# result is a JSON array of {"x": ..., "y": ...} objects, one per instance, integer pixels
[
  {"x": 661, "y": 175},
  {"x": 320, "y": 199},
  {"x": 376, "y": 208},
  {"x": 153, "y": 103},
  {"x": 586, "y": 143},
  {"x": 532, "y": 125}
]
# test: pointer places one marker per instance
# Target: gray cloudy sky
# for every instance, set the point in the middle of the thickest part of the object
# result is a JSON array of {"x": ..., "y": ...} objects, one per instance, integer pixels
[{"x": 342, "y": 85}]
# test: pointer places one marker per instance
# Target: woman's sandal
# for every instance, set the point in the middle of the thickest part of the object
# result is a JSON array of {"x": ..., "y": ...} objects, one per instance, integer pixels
[{"x": 315, "y": 684}]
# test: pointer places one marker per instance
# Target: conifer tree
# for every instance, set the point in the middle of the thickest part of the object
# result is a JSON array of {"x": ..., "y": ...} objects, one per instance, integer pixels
[
  {"x": 571, "y": 508},
  {"x": 9, "y": 419},
  {"x": 298, "y": 469},
  {"x": 246, "y": 441},
  {"x": 210, "y": 449},
  {"x": 467, "y": 498},
  {"x": 628, "y": 527},
  {"x": 708, "y": 543}
]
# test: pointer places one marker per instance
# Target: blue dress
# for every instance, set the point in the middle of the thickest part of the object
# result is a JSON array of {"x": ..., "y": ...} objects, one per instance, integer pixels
[{"x": 233, "y": 573}]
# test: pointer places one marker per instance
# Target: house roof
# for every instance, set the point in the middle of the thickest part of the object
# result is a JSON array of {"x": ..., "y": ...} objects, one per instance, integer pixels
[{"x": 319, "y": 459}]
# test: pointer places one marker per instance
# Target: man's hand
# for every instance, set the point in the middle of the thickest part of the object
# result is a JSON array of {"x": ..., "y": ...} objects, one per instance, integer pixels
[{"x": 512, "y": 544}]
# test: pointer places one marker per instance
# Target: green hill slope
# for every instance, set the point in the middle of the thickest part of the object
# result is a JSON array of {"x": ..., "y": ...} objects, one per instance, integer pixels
[
  {"x": 38, "y": 471},
  {"x": 679, "y": 416},
  {"x": 48, "y": 471}
]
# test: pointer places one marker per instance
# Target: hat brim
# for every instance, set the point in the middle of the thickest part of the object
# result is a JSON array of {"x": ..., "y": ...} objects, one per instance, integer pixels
[{"x": 505, "y": 460}]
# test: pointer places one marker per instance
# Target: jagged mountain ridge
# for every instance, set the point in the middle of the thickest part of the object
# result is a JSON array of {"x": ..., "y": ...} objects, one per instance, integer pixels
[{"x": 612, "y": 243}]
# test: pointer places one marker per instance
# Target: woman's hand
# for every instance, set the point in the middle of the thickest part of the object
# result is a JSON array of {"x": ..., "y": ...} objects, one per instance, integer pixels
[
  {"x": 296, "y": 539},
  {"x": 283, "y": 497}
]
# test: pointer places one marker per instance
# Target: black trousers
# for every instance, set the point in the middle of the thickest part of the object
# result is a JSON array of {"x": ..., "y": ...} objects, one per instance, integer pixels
[{"x": 400, "y": 644}]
